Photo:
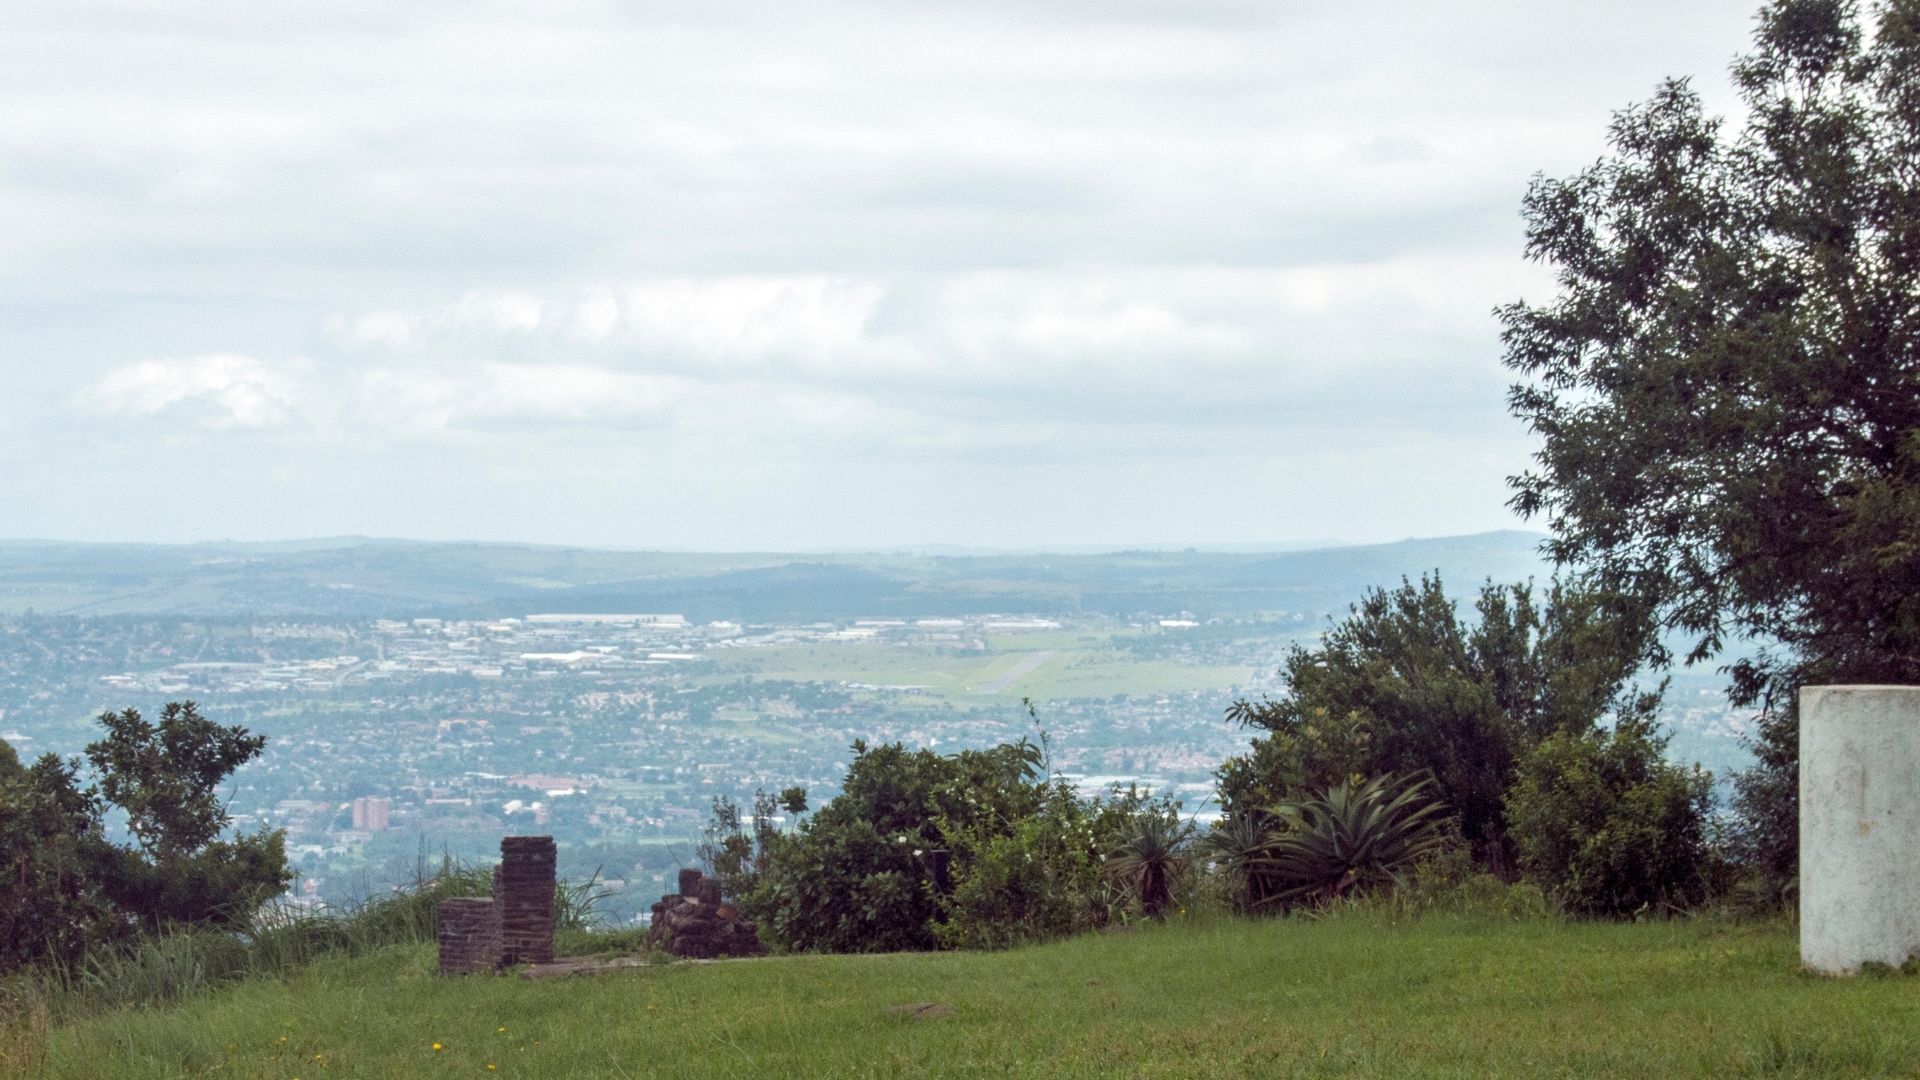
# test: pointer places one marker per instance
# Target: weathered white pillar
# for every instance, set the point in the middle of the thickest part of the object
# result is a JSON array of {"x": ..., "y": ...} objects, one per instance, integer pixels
[{"x": 1859, "y": 826}]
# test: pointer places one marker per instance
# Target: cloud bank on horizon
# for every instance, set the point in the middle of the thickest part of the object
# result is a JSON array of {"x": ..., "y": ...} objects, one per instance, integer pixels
[{"x": 747, "y": 276}]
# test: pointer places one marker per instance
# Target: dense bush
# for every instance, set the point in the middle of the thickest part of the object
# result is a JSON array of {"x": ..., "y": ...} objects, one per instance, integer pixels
[
  {"x": 1072, "y": 865},
  {"x": 1403, "y": 685},
  {"x": 1234, "y": 850},
  {"x": 1766, "y": 808},
  {"x": 1447, "y": 882},
  {"x": 855, "y": 876},
  {"x": 66, "y": 888},
  {"x": 180, "y": 961},
  {"x": 52, "y": 906},
  {"x": 1152, "y": 859},
  {"x": 1027, "y": 856},
  {"x": 1607, "y": 826}
]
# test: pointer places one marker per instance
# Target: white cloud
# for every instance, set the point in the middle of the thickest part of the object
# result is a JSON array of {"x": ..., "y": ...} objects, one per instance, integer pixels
[
  {"x": 1099, "y": 362},
  {"x": 215, "y": 392},
  {"x": 430, "y": 401},
  {"x": 981, "y": 330}
]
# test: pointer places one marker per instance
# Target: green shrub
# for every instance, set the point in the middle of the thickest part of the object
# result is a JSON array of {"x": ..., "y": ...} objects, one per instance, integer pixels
[
  {"x": 1233, "y": 848},
  {"x": 1766, "y": 809},
  {"x": 411, "y": 912},
  {"x": 576, "y": 904},
  {"x": 1406, "y": 685},
  {"x": 855, "y": 877},
  {"x": 1027, "y": 857},
  {"x": 1352, "y": 839},
  {"x": 1605, "y": 825},
  {"x": 1448, "y": 882},
  {"x": 1038, "y": 879},
  {"x": 1069, "y": 866},
  {"x": 52, "y": 907},
  {"x": 158, "y": 968}
]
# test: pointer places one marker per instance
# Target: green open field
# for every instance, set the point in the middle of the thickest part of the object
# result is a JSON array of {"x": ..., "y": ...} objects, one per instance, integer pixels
[
  {"x": 1348, "y": 996},
  {"x": 1015, "y": 669}
]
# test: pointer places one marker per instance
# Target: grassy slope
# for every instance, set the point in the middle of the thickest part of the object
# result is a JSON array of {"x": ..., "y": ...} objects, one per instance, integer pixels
[{"x": 1355, "y": 996}]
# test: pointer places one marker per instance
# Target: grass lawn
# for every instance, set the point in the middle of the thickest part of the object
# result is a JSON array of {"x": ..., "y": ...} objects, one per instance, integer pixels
[{"x": 1353, "y": 996}]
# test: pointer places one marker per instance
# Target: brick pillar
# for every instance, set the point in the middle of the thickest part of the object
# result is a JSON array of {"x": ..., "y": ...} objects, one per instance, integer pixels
[
  {"x": 469, "y": 935},
  {"x": 526, "y": 897}
]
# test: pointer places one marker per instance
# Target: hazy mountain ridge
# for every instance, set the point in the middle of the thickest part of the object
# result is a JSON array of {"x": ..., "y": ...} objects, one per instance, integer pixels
[{"x": 357, "y": 577}]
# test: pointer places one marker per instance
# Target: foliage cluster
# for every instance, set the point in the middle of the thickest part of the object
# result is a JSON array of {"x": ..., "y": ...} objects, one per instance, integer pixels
[
  {"x": 1355, "y": 837},
  {"x": 1405, "y": 686},
  {"x": 67, "y": 888},
  {"x": 179, "y": 962},
  {"x": 1523, "y": 722},
  {"x": 1607, "y": 825},
  {"x": 1024, "y": 857}
]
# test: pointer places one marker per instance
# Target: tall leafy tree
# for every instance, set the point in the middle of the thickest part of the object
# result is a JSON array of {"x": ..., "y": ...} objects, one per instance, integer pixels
[{"x": 1727, "y": 381}]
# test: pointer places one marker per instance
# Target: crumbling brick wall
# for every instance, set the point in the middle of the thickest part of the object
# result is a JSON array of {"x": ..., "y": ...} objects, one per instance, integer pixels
[
  {"x": 695, "y": 922},
  {"x": 516, "y": 925},
  {"x": 469, "y": 935},
  {"x": 525, "y": 891}
]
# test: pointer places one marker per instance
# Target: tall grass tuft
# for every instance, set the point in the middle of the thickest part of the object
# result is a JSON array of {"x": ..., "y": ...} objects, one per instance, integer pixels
[
  {"x": 25, "y": 1022},
  {"x": 576, "y": 906},
  {"x": 411, "y": 912}
]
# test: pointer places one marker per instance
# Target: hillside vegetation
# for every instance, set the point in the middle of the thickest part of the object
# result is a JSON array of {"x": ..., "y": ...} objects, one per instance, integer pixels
[{"x": 1348, "y": 995}]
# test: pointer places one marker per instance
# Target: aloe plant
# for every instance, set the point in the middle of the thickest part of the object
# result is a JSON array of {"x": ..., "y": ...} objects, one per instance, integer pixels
[
  {"x": 1355, "y": 836},
  {"x": 1150, "y": 858},
  {"x": 1237, "y": 846}
]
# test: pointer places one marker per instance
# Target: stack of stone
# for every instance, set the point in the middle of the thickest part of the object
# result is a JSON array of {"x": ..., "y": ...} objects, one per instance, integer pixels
[
  {"x": 469, "y": 935},
  {"x": 695, "y": 922},
  {"x": 524, "y": 890}
]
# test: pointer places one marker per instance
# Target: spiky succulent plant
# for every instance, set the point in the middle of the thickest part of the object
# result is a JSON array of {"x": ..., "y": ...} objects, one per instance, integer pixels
[{"x": 1354, "y": 837}]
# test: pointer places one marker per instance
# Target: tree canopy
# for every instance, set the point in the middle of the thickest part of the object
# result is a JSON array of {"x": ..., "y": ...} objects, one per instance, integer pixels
[{"x": 1727, "y": 382}]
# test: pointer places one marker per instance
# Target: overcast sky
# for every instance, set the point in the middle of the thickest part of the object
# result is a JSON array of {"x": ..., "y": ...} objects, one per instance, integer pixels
[{"x": 789, "y": 276}]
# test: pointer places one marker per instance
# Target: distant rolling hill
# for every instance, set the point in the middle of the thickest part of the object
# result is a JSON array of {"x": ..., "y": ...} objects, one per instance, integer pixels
[{"x": 356, "y": 577}]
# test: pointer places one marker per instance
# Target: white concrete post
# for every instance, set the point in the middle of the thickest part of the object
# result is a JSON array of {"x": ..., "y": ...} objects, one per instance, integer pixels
[{"x": 1859, "y": 826}]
